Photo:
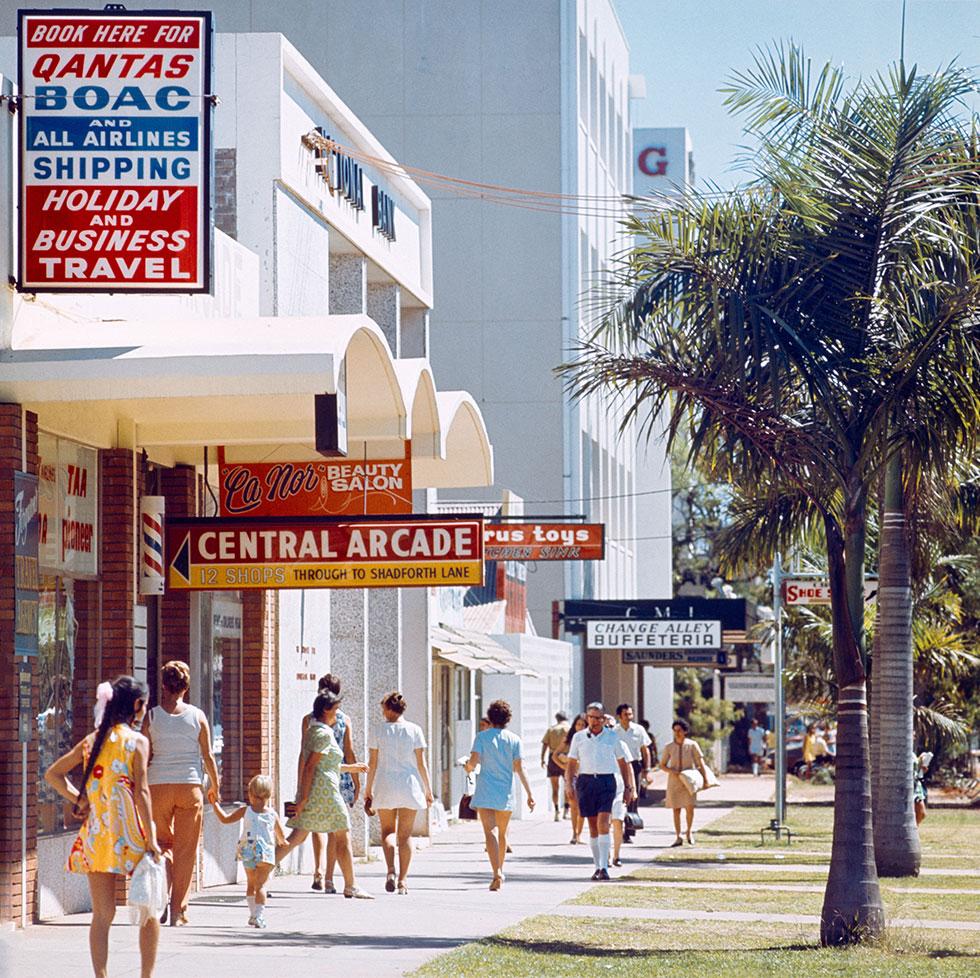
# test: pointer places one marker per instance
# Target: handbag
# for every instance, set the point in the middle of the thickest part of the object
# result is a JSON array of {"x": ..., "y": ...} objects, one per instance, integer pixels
[
  {"x": 466, "y": 812},
  {"x": 147, "y": 889},
  {"x": 633, "y": 822}
]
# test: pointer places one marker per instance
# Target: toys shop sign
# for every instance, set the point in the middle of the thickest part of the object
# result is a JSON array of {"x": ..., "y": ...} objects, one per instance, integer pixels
[{"x": 115, "y": 145}]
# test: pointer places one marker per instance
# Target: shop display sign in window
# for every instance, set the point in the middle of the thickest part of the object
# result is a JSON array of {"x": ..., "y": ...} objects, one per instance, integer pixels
[
  {"x": 115, "y": 128},
  {"x": 26, "y": 573},
  {"x": 68, "y": 500}
]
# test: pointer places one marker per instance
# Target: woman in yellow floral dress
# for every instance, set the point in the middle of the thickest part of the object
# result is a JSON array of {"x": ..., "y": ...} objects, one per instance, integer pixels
[{"x": 115, "y": 803}]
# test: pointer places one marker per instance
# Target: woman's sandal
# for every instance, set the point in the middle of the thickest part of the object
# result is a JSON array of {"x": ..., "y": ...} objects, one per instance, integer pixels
[
  {"x": 402, "y": 888},
  {"x": 390, "y": 883},
  {"x": 356, "y": 893},
  {"x": 677, "y": 842},
  {"x": 495, "y": 883},
  {"x": 317, "y": 881}
]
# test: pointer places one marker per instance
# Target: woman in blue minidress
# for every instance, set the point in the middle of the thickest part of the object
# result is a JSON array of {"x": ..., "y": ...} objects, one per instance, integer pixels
[{"x": 497, "y": 753}]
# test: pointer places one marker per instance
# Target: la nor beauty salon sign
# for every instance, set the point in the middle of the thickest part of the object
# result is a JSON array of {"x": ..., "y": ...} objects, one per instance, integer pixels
[
  {"x": 340, "y": 488},
  {"x": 115, "y": 145}
]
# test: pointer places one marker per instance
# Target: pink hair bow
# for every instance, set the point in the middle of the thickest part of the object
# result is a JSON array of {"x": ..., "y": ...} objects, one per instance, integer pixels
[{"x": 103, "y": 696}]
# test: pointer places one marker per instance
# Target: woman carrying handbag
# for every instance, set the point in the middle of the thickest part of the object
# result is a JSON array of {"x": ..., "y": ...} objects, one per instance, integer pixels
[{"x": 681, "y": 756}]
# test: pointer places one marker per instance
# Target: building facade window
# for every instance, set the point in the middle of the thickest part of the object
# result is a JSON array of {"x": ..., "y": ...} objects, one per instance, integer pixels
[
  {"x": 216, "y": 665},
  {"x": 57, "y": 631}
]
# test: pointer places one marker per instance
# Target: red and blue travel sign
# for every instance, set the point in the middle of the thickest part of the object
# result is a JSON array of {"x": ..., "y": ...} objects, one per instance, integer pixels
[{"x": 115, "y": 130}]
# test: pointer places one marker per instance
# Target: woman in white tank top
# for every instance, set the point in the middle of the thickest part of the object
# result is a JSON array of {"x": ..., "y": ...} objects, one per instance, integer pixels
[{"x": 180, "y": 755}]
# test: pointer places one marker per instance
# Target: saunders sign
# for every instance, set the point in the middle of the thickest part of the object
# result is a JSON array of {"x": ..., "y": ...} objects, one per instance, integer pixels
[
  {"x": 115, "y": 140},
  {"x": 215, "y": 554}
]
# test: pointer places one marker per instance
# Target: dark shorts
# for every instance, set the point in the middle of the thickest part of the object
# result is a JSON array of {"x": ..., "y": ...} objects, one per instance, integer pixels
[
  {"x": 596, "y": 793},
  {"x": 554, "y": 771}
]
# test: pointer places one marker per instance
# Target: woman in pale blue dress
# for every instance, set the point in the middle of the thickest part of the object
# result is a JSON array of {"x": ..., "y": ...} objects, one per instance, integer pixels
[{"x": 497, "y": 752}]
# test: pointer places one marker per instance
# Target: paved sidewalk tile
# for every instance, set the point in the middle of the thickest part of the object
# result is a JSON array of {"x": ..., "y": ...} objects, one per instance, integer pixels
[{"x": 449, "y": 904}]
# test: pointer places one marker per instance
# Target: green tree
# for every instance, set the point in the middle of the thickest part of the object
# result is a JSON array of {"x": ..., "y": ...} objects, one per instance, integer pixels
[
  {"x": 776, "y": 323},
  {"x": 710, "y": 719}
]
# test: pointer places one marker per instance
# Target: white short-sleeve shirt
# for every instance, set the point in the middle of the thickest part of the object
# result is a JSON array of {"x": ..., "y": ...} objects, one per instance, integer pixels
[
  {"x": 635, "y": 738},
  {"x": 598, "y": 753},
  {"x": 397, "y": 783}
]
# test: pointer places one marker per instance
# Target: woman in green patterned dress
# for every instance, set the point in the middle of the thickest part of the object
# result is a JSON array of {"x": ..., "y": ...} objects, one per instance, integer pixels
[{"x": 320, "y": 806}]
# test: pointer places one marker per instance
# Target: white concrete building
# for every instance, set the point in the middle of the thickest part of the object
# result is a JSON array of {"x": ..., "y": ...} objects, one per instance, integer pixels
[
  {"x": 533, "y": 96},
  {"x": 308, "y": 297}
]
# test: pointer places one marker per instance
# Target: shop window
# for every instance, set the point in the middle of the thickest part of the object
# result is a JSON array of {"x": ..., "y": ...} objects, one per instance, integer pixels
[
  {"x": 57, "y": 631},
  {"x": 219, "y": 681}
]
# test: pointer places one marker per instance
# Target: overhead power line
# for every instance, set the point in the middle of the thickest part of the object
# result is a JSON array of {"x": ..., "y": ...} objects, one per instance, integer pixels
[{"x": 585, "y": 205}]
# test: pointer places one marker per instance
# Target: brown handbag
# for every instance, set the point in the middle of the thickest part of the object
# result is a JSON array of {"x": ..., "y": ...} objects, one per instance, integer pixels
[{"x": 466, "y": 812}]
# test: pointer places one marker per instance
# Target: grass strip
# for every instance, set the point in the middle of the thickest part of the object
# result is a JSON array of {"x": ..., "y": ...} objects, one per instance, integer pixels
[{"x": 554, "y": 947}]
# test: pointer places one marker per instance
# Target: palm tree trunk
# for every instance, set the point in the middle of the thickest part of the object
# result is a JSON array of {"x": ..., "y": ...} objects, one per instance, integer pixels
[
  {"x": 852, "y": 910},
  {"x": 897, "y": 848}
]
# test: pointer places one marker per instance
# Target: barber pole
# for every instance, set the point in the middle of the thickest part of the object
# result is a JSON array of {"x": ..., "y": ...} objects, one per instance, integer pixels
[{"x": 151, "y": 544}]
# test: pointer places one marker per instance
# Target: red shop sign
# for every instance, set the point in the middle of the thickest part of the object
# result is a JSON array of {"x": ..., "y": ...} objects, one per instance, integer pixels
[
  {"x": 325, "y": 487},
  {"x": 544, "y": 541}
]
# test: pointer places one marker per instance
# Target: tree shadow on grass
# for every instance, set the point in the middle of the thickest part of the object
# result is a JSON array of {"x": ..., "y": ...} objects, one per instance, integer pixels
[{"x": 593, "y": 951}]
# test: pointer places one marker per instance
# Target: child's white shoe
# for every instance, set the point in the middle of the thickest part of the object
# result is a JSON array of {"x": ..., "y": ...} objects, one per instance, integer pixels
[
  {"x": 251, "y": 922},
  {"x": 260, "y": 923}
]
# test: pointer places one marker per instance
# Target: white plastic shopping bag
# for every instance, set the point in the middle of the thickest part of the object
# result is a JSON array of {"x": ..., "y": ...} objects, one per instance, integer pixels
[{"x": 147, "y": 889}]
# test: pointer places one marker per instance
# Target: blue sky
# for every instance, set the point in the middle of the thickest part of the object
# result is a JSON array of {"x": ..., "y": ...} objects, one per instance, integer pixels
[{"x": 686, "y": 49}]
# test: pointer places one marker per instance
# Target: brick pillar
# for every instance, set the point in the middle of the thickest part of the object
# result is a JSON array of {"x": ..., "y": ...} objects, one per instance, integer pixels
[
  {"x": 179, "y": 487},
  {"x": 259, "y": 706},
  {"x": 118, "y": 562},
  {"x": 12, "y": 773}
]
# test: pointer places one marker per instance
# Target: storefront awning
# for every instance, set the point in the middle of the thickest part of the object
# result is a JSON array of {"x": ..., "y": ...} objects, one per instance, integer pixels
[
  {"x": 475, "y": 650},
  {"x": 173, "y": 388}
]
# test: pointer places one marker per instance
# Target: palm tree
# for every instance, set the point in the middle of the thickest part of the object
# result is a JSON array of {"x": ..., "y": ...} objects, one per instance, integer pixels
[{"x": 775, "y": 323}]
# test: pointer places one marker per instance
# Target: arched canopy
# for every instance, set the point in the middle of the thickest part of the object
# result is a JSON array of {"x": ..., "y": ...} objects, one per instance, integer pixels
[{"x": 173, "y": 388}]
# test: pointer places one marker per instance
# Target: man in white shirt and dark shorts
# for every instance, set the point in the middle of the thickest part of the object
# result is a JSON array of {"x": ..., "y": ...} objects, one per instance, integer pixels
[
  {"x": 638, "y": 742},
  {"x": 593, "y": 758}
]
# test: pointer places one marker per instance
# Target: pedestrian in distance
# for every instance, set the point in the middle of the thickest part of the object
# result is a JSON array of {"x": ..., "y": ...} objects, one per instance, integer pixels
[
  {"x": 117, "y": 811},
  {"x": 682, "y": 754},
  {"x": 814, "y": 746},
  {"x": 593, "y": 757},
  {"x": 262, "y": 836},
  {"x": 497, "y": 752},
  {"x": 636, "y": 738},
  {"x": 325, "y": 847},
  {"x": 920, "y": 794},
  {"x": 617, "y": 819},
  {"x": 756, "y": 740},
  {"x": 180, "y": 755},
  {"x": 320, "y": 807},
  {"x": 552, "y": 742},
  {"x": 561, "y": 758},
  {"x": 398, "y": 786}
]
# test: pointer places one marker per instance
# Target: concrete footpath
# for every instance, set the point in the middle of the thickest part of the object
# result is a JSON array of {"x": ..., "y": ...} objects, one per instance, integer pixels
[{"x": 449, "y": 904}]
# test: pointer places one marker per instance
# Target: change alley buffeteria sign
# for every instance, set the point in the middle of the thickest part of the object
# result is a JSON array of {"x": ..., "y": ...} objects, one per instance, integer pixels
[
  {"x": 115, "y": 150},
  {"x": 215, "y": 554}
]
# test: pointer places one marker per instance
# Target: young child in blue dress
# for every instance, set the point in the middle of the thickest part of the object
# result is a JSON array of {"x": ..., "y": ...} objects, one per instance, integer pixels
[{"x": 262, "y": 835}]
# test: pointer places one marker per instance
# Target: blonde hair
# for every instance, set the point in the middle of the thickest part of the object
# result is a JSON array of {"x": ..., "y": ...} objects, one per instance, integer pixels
[
  {"x": 175, "y": 676},
  {"x": 261, "y": 786}
]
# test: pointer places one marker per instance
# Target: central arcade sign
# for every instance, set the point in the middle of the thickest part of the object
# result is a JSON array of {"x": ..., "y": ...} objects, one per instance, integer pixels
[{"x": 217, "y": 554}]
